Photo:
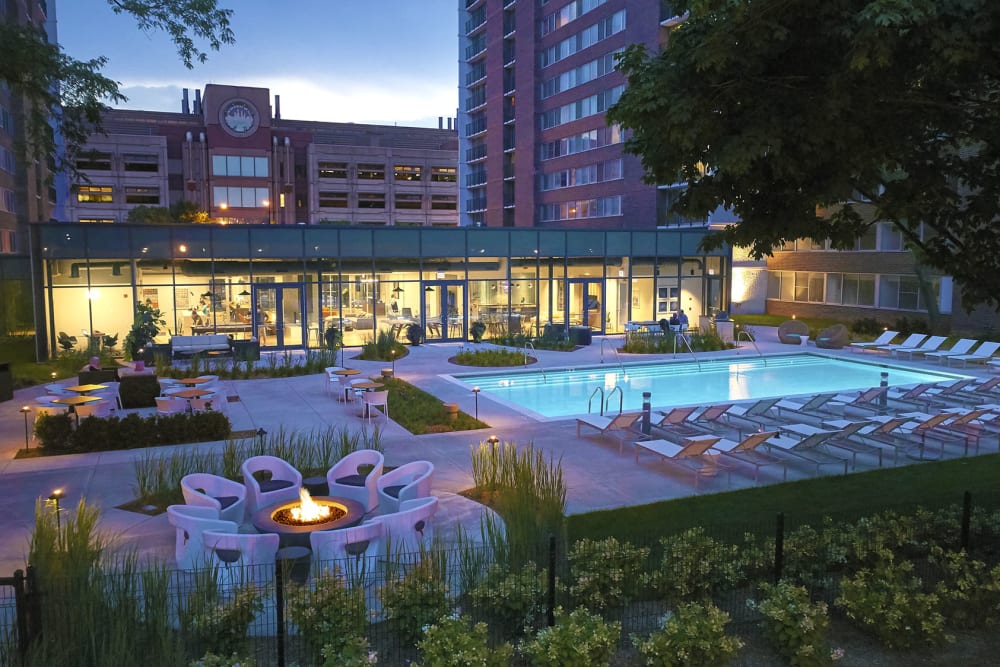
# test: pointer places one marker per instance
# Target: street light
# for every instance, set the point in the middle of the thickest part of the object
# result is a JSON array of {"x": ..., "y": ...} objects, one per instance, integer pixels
[
  {"x": 475, "y": 392},
  {"x": 493, "y": 440},
  {"x": 54, "y": 498},
  {"x": 25, "y": 411}
]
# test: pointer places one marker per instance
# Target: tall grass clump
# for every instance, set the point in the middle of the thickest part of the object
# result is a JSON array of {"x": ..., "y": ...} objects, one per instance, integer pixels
[
  {"x": 310, "y": 452},
  {"x": 382, "y": 347},
  {"x": 158, "y": 474},
  {"x": 528, "y": 492}
]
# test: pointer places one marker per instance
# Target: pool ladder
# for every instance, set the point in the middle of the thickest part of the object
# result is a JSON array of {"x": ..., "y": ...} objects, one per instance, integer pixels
[
  {"x": 603, "y": 403},
  {"x": 617, "y": 358},
  {"x": 524, "y": 351},
  {"x": 752, "y": 342}
]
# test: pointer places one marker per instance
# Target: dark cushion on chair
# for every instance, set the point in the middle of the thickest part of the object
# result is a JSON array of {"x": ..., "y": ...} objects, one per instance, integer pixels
[
  {"x": 274, "y": 485},
  {"x": 351, "y": 480},
  {"x": 393, "y": 491},
  {"x": 226, "y": 501}
]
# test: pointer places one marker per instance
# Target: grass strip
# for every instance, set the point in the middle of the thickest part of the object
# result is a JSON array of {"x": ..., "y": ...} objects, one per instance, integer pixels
[{"x": 929, "y": 485}]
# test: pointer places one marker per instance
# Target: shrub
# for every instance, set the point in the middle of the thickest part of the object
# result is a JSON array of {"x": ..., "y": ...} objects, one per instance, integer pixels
[
  {"x": 220, "y": 624},
  {"x": 606, "y": 573},
  {"x": 56, "y": 434},
  {"x": 476, "y": 330},
  {"x": 212, "y": 660},
  {"x": 455, "y": 642},
  {"x": 580, "y": 639},
  {"x": 414, "y": 333},
  {"x": 694, "y": 566},
  {"x": 139, "y": 391},
  {"x": 514, "y": 600},
  {"x": 490, "y": 358},
  {"x": 867, "y": 326},
  {"x": 889, "y": 601},
  {"x": 812, "y": 556},
  {"x": 969, "y": 592},
  {"x": 795, "y": 626},
  {"x": 385, "y": 347},
  {"x": 418, "y": 598},
  {"x": 354, "y": 652},
  {"x": 693, "y": 636},
  {"x": 329, "y": 613}
]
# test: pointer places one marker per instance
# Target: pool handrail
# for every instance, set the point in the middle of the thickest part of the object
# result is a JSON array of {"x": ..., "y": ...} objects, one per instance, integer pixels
[
  {"x": 687, "y": 343},
  {"x": 591, "y": 399},
  {"x": 752, "y": 342},
  {"x": 524, "y": 350},
  {"x": 613, "y": 349},
  {"x": 621, "y": 398}
]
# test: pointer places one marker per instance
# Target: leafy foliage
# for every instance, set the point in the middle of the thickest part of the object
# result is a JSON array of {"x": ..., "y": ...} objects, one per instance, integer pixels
[
  {"x": 606, "y": 574},
  {"x": 416, "y": 599},
  {"x": 145, "y": 326},
  {"x": 694, "y": 636},
  {"x": 329, "y": 613},
  {"x": 794, "y": 625},
  {"x": 581, "y": 639},
  {"x": 816, "y": 119},
  {"x": 513, "y": 600},
  {"x": 57, "y": 435},
  {"x": 490, "y": 358},
  {"x": 455, "y": 642}
]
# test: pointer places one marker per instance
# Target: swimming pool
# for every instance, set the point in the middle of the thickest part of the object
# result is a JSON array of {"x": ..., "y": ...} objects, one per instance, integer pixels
[{"x": 561, "y": 393}]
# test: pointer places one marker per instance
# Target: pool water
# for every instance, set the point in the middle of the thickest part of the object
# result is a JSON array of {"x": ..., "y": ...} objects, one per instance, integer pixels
[{"x": 561, "y": 393}]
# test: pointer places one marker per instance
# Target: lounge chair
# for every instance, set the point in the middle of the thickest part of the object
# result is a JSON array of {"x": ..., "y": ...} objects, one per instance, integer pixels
[
  {"x": 675, "y": 425},
  {"x": 929, "y": 345},
  {"x": 977, "y": 392},
  {"x": 914, "y": 432},
  {"x": 793, "y": 332},
  {"x": 621, "y": 426},
  {"x": 884, "y": 339},
  {"x": 813, "y": 408},
  {"x": 983, "y": 354},
  {"x": 843, "y": 440},
  {"x": 961, "y": 347},
  {"x": 693, "y": 454},
  {"x": 808, "y": 449},
  {"x": 712, "y": 417},
  {"x": 756, "y": 414},
  {"x": 912, "y": 341},
  {"x": 748, "y": 451},
  {"x": 867, "y": 401},
  {"x": 885, "y": 433}
]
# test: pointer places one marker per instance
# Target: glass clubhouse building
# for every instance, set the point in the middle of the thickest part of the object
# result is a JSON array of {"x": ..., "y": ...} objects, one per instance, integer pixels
[{"x": 285, "y": 285}]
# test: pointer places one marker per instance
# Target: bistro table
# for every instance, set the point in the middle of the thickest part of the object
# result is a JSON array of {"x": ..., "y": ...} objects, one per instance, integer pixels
[
  {"x": 361, "y": 387},
  {"x": 346, "y": 372},
  {"x": 84, "y": 389},
  {"x": 73, "y": 401},
  {"x": 193, "y": 393},
  {"x": 192, "y": 382}
]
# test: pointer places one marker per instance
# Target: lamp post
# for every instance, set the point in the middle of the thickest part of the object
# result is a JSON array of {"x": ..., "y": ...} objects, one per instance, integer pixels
[
  {"x": 54, "y": 499},
  {"x": 493, "y": 440},
  {"x": 392, "y": 356},
  {"x": 24, "y": 411},
  {"x": 475, "y": 392}
]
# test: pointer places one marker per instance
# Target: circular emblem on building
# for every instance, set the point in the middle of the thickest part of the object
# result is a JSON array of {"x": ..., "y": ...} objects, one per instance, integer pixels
[{"x": 239, "y": 118}]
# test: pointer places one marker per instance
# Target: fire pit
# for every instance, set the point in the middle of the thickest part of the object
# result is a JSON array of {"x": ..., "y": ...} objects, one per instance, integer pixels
[{"x": 294, "y": 520}]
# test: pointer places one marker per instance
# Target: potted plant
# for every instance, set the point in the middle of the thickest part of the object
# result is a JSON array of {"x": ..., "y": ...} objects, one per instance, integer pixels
[
  {"x": 414, "y": 333},
  {"x": 333, "y": 338},
  {"x": 477, "y": 329},
  {"x": 145, "y": 326}
]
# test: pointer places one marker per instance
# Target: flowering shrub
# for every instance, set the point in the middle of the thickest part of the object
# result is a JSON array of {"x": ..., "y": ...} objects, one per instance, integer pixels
[
  {"x": 515, "y": 600},
  {"x": 212, "y": 660},
  {"x": 454, "y": 642},
  {"x": 813, "y": 556},
  {"x": 580, "y": 639},
  {"x": 220, "y": 625},
  {"x": 693, "y": 636},
  {"x": 694, "y": 566},
  {"x": 889, "y": 600},
  {"x": 795, "y": 626},
  {"x": 416, "y": 600},
  {"x": 350, "y": 652},
  {"x": 328, "y": 614},
  {"x": 970, "y": 594},
  {"x": 606, "y": 573}
]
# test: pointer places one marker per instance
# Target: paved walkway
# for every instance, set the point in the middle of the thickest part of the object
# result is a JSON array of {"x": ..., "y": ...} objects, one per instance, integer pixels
[{"x": 596, "y": 476}]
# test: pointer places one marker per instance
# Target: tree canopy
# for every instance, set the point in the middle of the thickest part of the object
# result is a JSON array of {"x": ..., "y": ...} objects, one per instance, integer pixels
[
  {"x": 817, "y": 118},
  {"x": 70, "y": 94}
]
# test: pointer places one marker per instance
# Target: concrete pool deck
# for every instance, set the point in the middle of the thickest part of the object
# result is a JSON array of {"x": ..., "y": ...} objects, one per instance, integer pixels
[{"x": 596, "y": 476}]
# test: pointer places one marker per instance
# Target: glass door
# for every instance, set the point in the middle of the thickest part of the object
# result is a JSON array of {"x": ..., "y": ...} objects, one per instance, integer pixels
[
  {"x": 585, "y": 298},
  {"x": 444, "y": 310},
  {"x": 277, "y": 317}
]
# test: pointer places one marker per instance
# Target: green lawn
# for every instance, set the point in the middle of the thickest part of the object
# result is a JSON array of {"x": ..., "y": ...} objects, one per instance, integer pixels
[{"x": 929, "y": 485}]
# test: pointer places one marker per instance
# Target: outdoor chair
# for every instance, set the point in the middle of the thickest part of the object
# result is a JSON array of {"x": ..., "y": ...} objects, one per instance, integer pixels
[
  {"x": 884, "y": 338},
  {"x": 226, "y": 497},
  {"x": 912, "y": 341},
  {"x": 793, "y": 332},
  {"x": 929, "y": 345},
  {"x": 190, "y": 523},
  {"x": 869, "y": 400},
  {"x": 407, "y": 482},
  {"x": 692, "y": 454},
  {"x": 112, "y": 393},
  {"x": 242, "y": 558},
  {"x": 621, "y": 426},
  {"x": 96, "y": 409},
  {"x": 843, "y": 441},
  {"x": 810, "y": 409},
  {"x": 410, "y": 529},
  {"x": 167, "y": 384},
  {"x": 375, "y": 399},
  {"x": 961, "y": 347},
  {"x": 748, "y": 451},
  {"x": 331, "y": 379},
  {"x": 983, "y": 354},
  {"x": 352, "y": 552},
  {"x": 279, "y": 482},
  {"x": 356, "y": 477},
  {"x": 807, "y": 449},
  {"x": 170, "y": 406},
  {"x": 674, "y": 425},
  {"x": 711, "y": 418},
  {"x": 758, "y": 414},
  {"x": 833, "y": 338}
]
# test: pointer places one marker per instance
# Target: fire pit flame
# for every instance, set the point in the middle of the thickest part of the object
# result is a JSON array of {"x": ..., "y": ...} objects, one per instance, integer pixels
[{"x": 309, "y": 510}]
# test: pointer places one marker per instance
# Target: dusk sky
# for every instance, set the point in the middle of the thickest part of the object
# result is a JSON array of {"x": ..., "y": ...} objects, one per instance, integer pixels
[{"x": 382, "y": 61}]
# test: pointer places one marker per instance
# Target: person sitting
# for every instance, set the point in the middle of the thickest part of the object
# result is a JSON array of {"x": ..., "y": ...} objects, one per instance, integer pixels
[
  {"x": 675, "y": 320},
  {"x": 683, "y": 319},
  {"x": 93, "y": 365},
  {"x": 196, "y": 320}
]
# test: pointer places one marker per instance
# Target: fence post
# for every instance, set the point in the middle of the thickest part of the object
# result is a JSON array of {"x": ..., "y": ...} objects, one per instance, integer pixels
[
  {"x": 966, "y": 518},
  {"x": 550, "y": 611},
  {"x": 34, "y": 605},
  {"x": 779, "y": 546},
  {"x": 22, "y": 613},
  {"x": 279, "y": 601}
]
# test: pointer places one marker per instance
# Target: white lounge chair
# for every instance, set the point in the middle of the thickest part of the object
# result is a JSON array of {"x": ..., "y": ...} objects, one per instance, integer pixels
[
  {"x": 961, "y": 347},
  {"x": 694, "y": 454},
  {"x": 748, "y": 451},
  {"x": 190, "y": 523},
  {"x": 808, "y": 448},
  {"x": 346, "y": 480},
  {"x": 621, "y": 426},
  {"x": 983, "y": 354},
  {"x": 226, "y": 497},
  {"x": 407, "y": 482},
  {"x": 929, "y": 345},
  {"x": 884, "y": 338},
  {"x": 912, "y": 341}
]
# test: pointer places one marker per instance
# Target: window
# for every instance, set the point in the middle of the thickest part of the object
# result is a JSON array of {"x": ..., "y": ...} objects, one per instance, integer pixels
[
  {"x": 137, "y": 195},
  {"x": 98, "y": 221},
  {"x": 371, "y": 199},
  {"x": 7, "y": 200},
  {"x": 7, "y": 162},
  {"x": 889, "y": 238},
  {"x": 371, "y": 172},
  {"x": 586, "y": 141},
  {"x": 579, "y": 75},
  {"x": 594, "y": 173},
  {"x": 6, "y": 121},
  {"x": 444, "y": 175},
  {"x": 404, "y": 200},
  {"x": 444, "y": 202},
  {"x": 587, "y": 37},
  {"x": 587, "y": 208},
  {"x": 240, "y": 165},
  {"x": 867, "y": 240},
  {"x": 94, "y": 161},
  {"x": 588, "y": 106},
  {"x": 233, "y": 197},
  {"x": 859, "y": 289},
  {"x": 332, "y": 169},
  {"x": 333, "y": 199},
  {"x": 567, "y": 14},
  {"x": 94, "y": 194},
  {"x": 141, "y": 163},
  {"x": 404, "y": 172}
]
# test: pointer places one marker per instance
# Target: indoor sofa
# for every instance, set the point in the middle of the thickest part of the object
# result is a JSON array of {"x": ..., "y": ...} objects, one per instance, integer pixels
[{"x": 188, "y": 346}]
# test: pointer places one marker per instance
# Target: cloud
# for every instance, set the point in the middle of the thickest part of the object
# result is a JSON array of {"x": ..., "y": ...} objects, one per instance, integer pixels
[{"x": 400, "y": 101}]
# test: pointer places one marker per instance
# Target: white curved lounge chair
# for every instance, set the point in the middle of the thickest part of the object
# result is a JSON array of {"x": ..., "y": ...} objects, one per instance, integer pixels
[
  {"x": 346, "y": 481},
  {"x": 407, "y": 482},
  {"x": 225, "y": 496},
  {"x": 283, "y": 485},
  {"x": 191, "y": 522},
  {"x": 411, "y": 528}
]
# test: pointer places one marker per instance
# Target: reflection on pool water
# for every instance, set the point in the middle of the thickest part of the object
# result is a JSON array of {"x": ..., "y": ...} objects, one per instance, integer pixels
[{"x": 561, "y": 393}]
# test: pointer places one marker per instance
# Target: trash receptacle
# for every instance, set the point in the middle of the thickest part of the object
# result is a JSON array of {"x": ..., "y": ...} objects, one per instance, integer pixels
[
  {"x": 6, "y": 382},
  {"x": 580, "y": 335}
]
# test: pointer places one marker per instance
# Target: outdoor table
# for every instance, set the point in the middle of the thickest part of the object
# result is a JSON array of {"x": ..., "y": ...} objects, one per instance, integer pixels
[
  {"x": 73, "y": 401},
  {"x": 193, "y": 393},
  {"x": 84, "y": 389},
  {"x": 346, "y": 372},
  {"x": 192, "y": 381}
]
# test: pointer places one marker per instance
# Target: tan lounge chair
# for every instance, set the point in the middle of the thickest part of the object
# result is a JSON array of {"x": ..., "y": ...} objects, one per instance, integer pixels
[{"x": 621, "y": 426}]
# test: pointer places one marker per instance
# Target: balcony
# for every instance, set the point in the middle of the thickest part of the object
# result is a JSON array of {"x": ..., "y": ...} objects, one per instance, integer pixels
[
  {"x": 476, "y": 21},
  {"x": 477, "y": 126},
  {"x": 475, "y": 204},
  {"x": 475, "y": 153},
  {"x": 476, "y": 47}
]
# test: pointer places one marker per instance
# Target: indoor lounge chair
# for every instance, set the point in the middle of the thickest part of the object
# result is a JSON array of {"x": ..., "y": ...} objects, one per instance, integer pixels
[
  {"x": 884, "y": 338},
  {"x": 621, "y": 426}
]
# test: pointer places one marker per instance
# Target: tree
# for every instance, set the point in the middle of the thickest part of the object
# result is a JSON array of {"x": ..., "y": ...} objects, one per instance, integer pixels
[
  {"x": 71, "y": 94},
  {"x": 182, "y": 211},
  {"x": 817, "y": 118}
]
